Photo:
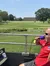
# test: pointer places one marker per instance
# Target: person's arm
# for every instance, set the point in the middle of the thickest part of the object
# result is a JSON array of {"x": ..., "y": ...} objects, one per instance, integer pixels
[
  {"x": 49, "y": 57},
  {"x": 40, "y": 40},
  {"x": 37, "y": 40}
]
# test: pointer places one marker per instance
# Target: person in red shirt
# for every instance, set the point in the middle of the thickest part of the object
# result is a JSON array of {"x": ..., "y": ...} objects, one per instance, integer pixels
[{"x": 43, "y": 58}]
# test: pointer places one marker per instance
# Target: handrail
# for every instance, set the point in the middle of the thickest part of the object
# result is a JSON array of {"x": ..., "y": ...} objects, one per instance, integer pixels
[
  {"x": 15, "y": 43},
  {"x": 14, "y": 34}
]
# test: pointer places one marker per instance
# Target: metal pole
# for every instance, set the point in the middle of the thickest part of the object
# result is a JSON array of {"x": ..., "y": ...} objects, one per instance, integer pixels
[{"x": 25, "y": 44}]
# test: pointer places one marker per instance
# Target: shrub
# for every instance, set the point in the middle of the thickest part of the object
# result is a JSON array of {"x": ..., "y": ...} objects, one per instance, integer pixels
[
  {"x": 48, "y": 20},
  {"x": 11, "y": 30}
]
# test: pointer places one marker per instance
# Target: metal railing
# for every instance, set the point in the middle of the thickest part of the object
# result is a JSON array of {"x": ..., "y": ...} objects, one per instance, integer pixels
[{"x": 14, "y": 34}]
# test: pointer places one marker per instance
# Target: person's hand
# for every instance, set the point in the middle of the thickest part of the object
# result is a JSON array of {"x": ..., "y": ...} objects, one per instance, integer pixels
[{"x": 36, "y": 38}]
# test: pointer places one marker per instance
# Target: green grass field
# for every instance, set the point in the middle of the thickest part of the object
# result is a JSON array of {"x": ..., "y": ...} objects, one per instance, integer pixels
[
  {"x": 31, "y": 26},
  {"x": 24, "y": 24}
]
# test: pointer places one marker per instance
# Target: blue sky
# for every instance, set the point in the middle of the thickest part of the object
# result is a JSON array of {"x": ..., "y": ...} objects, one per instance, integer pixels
[{"x": 23, "y": 8}]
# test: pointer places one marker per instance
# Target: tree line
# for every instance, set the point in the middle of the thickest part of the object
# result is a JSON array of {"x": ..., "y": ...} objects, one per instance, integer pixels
[
  {"x": 4, "y": 16},
  {"x": 41, "y": 14}
]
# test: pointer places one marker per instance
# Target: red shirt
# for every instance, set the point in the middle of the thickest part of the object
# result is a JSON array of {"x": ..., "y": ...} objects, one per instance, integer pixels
[{"x": 42, "y": 58}]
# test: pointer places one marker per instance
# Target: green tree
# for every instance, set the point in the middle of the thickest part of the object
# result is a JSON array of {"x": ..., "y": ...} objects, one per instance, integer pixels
[
  {"x": 42, "y": 14},
  {"x": 20, "y": 19},
  {"x": 0, "y": 19},
  {"x": 11, "y": 17},
  {"x": 4, "y": 15}
]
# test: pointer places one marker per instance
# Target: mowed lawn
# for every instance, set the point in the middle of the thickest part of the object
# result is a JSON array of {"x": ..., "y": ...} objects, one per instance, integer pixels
[
  {"x": 33, "y": 28},
  {"x": 24, "y": 24}
]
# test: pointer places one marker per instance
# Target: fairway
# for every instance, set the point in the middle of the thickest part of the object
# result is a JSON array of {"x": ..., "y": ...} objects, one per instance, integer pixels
[
  {"x": 24, "y": 24},
  {"x": 32, "y": 28}
]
